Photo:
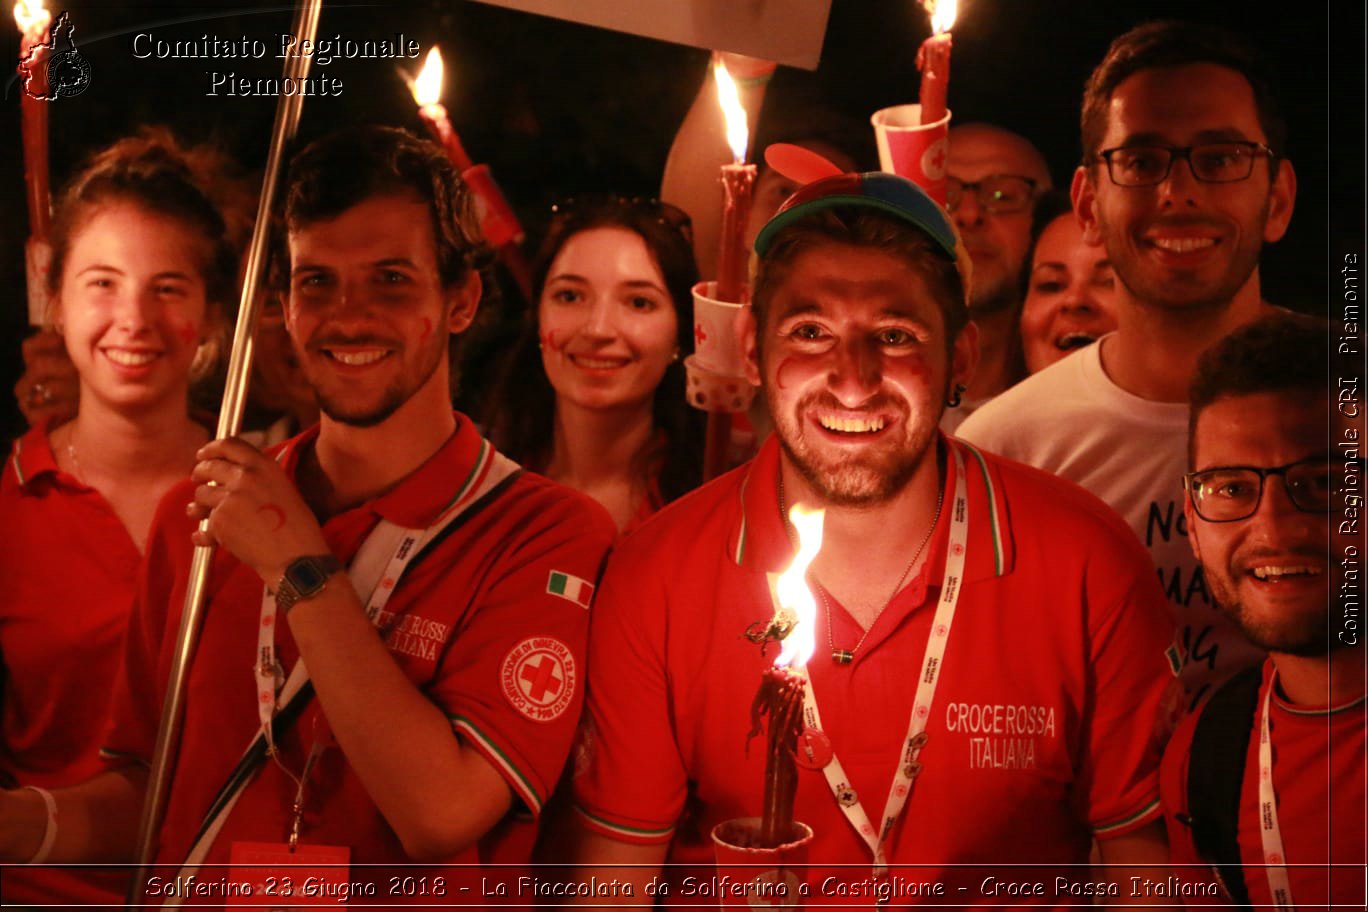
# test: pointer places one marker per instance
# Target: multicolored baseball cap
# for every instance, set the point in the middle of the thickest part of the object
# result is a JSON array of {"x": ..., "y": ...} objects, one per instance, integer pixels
[{"x": 889, "y": 193}]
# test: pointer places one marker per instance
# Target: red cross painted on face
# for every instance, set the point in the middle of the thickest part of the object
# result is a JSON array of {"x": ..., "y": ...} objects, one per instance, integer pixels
[
  {"x": 699, "y": 335},
  {"x": 542, "y": 678}
]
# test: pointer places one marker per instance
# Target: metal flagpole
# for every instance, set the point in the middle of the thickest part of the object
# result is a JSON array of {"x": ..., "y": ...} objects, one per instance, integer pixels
[{"x": 288, "y": 109}]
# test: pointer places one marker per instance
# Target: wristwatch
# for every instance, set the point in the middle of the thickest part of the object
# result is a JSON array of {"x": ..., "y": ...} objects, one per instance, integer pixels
[{"x": 304, "y": 578}]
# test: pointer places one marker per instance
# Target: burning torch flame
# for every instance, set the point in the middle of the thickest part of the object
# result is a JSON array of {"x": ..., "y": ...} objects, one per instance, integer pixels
[
  {"x": 738, "y": 133},
  {"x": 33, "y": 19},
  {"x": 427, "y": 88},
  {"x": 794, "y": 595},
  {"x": 943, "y": 14}
]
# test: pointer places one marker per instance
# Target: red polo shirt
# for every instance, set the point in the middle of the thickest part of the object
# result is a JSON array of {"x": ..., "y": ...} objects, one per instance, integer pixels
[
  {"x": 468, "y": 624},
  {"x": 1043, "y": 734},
  {"x": 1319, "y": 781},
  {"x": 68, "y": 571}
]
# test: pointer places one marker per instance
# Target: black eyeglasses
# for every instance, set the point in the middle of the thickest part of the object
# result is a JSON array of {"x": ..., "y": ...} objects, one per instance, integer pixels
[
  {"x": 1210, "y": 163},
  {"x": 585, "y": 204},
  {"x": 1230, "y": 493},
  {"x": 1000, "y": 194}
]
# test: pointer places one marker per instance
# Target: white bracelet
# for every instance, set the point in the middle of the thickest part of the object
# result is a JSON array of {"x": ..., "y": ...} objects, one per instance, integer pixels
[{"x": 49, "y": 828}]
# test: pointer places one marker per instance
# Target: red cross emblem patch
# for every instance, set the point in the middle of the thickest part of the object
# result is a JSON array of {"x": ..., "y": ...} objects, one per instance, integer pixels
[{"x": 538, "y": 678}]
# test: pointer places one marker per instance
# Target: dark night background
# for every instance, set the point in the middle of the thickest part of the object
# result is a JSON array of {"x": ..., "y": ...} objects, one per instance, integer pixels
[{"x": 556, "y": 108}]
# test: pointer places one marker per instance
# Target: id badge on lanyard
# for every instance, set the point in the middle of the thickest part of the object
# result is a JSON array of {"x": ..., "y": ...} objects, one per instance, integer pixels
[
  {"x": 932, "y": 667},
  {"x": 271, "y": 694}
]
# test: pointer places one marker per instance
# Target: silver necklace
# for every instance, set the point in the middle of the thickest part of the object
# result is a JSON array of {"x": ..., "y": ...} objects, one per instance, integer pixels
[
  {"x": 846, "y": 656},
  {"x": 76, "y": 470}
]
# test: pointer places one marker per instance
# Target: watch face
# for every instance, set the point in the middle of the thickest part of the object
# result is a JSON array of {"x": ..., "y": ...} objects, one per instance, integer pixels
[{"x": 306, "y": 576}]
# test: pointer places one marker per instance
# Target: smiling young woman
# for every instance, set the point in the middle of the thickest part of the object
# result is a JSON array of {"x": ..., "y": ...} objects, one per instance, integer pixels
[
  {"x": 141, "y": 275},
  {"x": 593, "y": 393},
  {"x": 1068, "y": 288}
]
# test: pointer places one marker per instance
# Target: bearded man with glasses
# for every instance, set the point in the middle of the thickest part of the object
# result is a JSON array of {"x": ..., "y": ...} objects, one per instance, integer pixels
[
  {"x": 1290, "y": 830},
  {"x": 994, "y": 177},
  {"x": 1183, "y": 180}
]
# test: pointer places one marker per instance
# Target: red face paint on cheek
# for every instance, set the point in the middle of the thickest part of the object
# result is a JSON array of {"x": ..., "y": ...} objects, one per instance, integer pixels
[
  {"x": 275, "y": 511},
  {"x": 427, "y": 328},
  {"x": 548, "y": 339},
  {"x": 187, "y": 333},
  {"x": 914, "y": 368},
  {"x": 785, "y": 367}
]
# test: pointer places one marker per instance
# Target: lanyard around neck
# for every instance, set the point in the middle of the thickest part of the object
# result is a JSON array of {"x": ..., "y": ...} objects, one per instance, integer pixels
[
  {"x": 1270, "y": 833},
  {"x": 932, "y": 666}
]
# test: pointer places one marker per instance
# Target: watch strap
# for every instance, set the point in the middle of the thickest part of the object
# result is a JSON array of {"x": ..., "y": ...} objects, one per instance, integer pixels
[{"x": 304, "y": 578}]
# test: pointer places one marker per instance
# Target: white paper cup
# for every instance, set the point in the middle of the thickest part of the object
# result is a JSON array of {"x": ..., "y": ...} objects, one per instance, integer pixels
[
  {"x": 717, "y": 343},
  {"x": 772, "y": 878},
  {"x": 714, "y": 392},
  {"x": 911, "y": 149}
]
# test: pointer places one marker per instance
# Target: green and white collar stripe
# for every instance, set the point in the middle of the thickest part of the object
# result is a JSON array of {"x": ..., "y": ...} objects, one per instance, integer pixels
[
  {"x": 993, "y": 518},
  {"x": 632, "y": 833}
]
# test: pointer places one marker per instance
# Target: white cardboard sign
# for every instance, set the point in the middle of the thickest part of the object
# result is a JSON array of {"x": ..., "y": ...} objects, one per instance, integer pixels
[{"x": 786, "y": 31}]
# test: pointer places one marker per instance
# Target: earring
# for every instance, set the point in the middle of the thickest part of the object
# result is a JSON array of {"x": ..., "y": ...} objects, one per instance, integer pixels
[
  {"x": 956, "y": 396},
  {"x": 675, "y": 356},
  {"x": 205, "y": 360}
]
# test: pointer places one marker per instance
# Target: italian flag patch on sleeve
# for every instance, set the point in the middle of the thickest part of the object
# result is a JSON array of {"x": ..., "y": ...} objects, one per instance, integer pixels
[{"x": 571, "y": 588}]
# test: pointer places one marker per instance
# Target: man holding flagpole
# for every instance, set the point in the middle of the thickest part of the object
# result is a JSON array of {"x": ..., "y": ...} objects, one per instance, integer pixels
[{"x": 392, "y": 657}]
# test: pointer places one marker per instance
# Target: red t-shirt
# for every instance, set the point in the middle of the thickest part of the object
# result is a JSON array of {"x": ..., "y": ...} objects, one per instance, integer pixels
[
  {"x": 459, "y": 624},
  {"x": 68, "y": 571},
  {"x": 1319, "y": 781},
  {"x": 1044, "y": 731}
]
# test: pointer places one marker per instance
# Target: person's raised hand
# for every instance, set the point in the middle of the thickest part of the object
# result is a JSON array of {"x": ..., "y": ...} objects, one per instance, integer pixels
[
  {"x": 49, "y": 390},
  {"x": 253, "y": 508}
]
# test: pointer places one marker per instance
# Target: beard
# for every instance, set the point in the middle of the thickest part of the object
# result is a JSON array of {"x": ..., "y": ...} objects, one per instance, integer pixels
[
  {"x": 345, "y": 406},
  {"x": 863, "y": 478},
  {"x": 1185, "y": 292},
  {"x": 1304, "y": 633}
]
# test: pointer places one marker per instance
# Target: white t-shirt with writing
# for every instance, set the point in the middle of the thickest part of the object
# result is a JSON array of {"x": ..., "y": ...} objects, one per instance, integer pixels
[{"x": 1071, "y": 420}]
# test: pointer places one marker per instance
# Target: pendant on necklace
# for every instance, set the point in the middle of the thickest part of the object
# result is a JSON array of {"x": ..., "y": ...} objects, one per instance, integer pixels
[
  {"x": 842, "y": 656},
  {"x": 813, "y": 750}
]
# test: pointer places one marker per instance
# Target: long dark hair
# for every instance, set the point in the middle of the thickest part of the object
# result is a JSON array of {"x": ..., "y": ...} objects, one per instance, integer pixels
[{"x": 520, "y": 415}]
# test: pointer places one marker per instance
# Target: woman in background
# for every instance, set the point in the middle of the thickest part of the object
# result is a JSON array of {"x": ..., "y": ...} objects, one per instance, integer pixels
[
  {"x": 1069, "y": 299},
  {"x": 140, "y": 280},
  {"x": 593, "y": 393}
]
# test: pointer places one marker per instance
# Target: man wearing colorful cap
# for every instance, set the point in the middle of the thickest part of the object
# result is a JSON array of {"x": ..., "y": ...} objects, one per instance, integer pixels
[
  {"x": 1265, "y": 781},
  {"x": 1184, "y": 179},
  {"x": 1034, "y": 728}
]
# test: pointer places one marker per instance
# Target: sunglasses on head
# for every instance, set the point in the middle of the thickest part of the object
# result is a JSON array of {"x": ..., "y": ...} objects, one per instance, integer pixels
[{"x": 588, "y": 204}]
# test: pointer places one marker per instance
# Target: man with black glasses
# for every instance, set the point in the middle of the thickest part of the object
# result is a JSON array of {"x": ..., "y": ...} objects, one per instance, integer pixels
[
  {"x": 994, "y": 177},
  {"x": 1258, "y": 510},
  {"x": 1183, "y": 182}
]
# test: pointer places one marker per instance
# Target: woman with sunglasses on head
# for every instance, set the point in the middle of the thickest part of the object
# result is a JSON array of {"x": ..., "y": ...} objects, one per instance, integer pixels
[
  {"x": 140, "y": 278},
  {"x": 593, "y": 393}
]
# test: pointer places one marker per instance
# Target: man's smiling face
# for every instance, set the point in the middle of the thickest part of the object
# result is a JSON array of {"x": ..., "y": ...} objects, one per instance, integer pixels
[
  {"x": 855, "y": 367},
  {"x": 1184, "y": 243},
  {"x": 367, "y": 311},
  {"x": 1267, "y": 572}
]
